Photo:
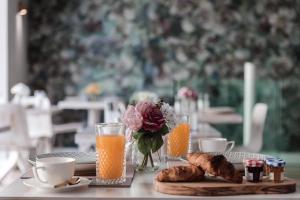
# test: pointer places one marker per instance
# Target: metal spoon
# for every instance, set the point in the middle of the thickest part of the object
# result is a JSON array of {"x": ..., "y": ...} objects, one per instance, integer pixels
[{"x": 72, "y": 181}]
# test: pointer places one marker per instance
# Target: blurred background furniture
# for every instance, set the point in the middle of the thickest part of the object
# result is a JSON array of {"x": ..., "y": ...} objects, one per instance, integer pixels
[
  {"x": 219, "y": 115},
  {"x": 143, "y": 95},
  {"x": 93, "y": 108},
  {"x": 16, "y": 141},
  {"x": 112, "y": 107},
  {"x": 39, "y": 113},
  {"x": 259, "y": 115}
]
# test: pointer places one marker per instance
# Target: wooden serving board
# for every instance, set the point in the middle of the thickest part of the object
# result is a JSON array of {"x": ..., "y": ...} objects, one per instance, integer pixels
[{"x": 217, "y": 187}]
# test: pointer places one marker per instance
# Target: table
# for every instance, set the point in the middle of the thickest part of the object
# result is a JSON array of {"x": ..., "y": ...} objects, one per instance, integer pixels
[
  {"x": 93, "y": 108},
  {"x": 85, "y": 138},
  {"x": 219, "y": 115},
  {"x": 141, "y": 188}
]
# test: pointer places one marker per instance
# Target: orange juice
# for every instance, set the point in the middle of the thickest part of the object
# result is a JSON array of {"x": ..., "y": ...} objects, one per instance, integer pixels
[
  {"x": 110, "y": 152},
  {"x": 178, "y": 140}
]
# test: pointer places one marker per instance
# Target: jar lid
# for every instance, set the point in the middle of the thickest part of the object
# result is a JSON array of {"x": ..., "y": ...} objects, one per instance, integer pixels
[
  {"x": 275, "y": 162},
  {"x": 270, "y": 158},
  {"x": 254, "y": 163}
]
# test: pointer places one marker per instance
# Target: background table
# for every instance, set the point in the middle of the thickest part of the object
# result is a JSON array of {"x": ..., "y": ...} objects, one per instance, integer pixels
[
  {"x": 85, "y": 138},
  {"x": 219, "y": 115},
  {"x": 141, "y": 188},
  {"x": 93, "y": 108}
]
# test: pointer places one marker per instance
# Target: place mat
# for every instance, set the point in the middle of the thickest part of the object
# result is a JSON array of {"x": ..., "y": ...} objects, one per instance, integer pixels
[
  {"x": 129, "y": 178},
  {"x": 130, "y": 171}
]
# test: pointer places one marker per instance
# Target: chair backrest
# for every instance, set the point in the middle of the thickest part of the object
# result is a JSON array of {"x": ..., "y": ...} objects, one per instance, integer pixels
[
  {"x": 39, "y": 123},
  {"x": 39, "y": 118},
  {"x": 259, "y": 115},
  {"x": 5, "y": 116},
  {"x": 114, "y": 108},
  {"x": 17, "y": 123}
]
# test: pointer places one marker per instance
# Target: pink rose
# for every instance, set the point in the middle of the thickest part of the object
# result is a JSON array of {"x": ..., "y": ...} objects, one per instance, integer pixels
[
  {"x": 143, "y": 105},
  {"x": 132, "y": 118},
  {"x": 153, "y": 119}
]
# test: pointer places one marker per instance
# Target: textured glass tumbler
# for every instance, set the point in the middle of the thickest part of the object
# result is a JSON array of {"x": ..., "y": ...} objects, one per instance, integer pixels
[
  {"x": 110, "y": 150},
  {"x": 179, "y": 139}
]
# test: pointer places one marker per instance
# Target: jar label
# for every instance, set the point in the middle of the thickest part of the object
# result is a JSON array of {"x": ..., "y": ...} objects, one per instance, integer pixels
[
  {"x": 250, "y": 176},
  {"x": 261, "y": 174},
  {"x": 271, "y": 175}
]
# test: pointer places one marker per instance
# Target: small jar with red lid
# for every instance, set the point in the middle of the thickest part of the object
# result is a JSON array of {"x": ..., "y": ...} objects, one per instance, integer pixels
[{"x": 254, "y": 170}]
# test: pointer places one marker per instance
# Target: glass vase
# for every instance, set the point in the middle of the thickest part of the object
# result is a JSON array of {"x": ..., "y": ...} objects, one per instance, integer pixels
[{"x": 147, "y": 163}]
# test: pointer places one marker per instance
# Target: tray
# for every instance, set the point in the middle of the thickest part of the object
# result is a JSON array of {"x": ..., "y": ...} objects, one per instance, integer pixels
[{"x": 216, "y": 187}]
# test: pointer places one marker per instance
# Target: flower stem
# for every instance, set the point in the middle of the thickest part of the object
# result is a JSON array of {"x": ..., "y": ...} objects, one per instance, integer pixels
[
  {"x": 158, "y": 156},
  {"x": 144, "y": 161},
  {"x": 151, "y": 160}
]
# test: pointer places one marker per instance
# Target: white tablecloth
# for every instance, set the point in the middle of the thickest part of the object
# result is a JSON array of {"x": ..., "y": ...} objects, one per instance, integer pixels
[{"x": 141, "y": 188}]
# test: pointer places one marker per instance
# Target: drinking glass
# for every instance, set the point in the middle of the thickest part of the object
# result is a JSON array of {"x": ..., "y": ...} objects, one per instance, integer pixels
[
  {"x": 178, "y": 142},
  {"x": 110, "y": 149}
]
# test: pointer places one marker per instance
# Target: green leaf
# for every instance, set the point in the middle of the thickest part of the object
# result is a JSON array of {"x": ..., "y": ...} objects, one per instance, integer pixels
[
  {"x": 144, "y": 144},
  {"x": 164, "y": 130},
  {"x": 157, "y": 142},
  {"x": 137, "y": 135}
]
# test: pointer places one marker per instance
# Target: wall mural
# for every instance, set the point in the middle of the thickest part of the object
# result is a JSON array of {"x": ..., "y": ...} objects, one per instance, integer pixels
[{"x": 159, "y": 45}]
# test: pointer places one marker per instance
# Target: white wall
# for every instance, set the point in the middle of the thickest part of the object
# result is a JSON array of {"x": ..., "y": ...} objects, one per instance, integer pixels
[{"x": 13, "y": 60}]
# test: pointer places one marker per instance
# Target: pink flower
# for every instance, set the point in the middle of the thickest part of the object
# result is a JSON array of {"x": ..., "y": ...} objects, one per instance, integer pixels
[
  {"x": 143, "y": 105},
  {"x": 132, "y": 118},
  {"x": 153, "y": 119},
  {"x": 188, "y": 93}
]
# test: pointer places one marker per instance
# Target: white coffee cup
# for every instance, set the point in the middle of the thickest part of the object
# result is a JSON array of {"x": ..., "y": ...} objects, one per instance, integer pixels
[
  {"x": 54, "y": 170},
  {"x": 215, "y": 145}
]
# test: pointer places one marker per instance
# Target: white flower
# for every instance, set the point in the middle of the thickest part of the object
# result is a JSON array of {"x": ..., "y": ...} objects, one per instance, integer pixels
[{"x": 169, "y": 115}]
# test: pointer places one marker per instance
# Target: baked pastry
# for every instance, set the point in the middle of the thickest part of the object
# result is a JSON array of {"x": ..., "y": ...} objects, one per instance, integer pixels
[
  {"x": 216, "y": 165},
  {"x": 181, "y": 174}
]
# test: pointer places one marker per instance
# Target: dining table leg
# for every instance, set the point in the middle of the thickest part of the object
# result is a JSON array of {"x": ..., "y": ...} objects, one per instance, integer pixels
[{"x": 93, "y": 117}]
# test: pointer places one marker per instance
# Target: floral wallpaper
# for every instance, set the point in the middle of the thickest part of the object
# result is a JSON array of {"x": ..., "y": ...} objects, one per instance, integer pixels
[{"x": 160, "y": 45}]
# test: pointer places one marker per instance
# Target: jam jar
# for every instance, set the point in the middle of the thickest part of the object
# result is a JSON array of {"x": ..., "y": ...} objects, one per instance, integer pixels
[
  {"x": 254, "y": 170},
  {"x": 275, "y": 169}
]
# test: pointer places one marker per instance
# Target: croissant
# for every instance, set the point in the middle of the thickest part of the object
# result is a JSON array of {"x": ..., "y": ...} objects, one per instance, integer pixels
[
  {"x": 181, "y": 174},
  {"x": 215, "y": 165}
]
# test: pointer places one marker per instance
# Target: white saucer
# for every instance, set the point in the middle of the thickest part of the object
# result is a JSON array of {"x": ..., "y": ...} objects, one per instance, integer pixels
[{"x": 32, "y": 182}]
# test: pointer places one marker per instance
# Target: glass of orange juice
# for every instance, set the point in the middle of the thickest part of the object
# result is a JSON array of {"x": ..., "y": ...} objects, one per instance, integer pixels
[
  {"x": 178, "y": 141},
  {"x": 110, "y": 150}
]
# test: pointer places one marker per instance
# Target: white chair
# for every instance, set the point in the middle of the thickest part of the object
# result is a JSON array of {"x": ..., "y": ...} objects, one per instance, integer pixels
[
  {"x": 39, "y": 121},
  {"x": 16, "y": 141},
  {"x": 259, "y": 115},
  {"x": 114, "y": 108},
  {"x": 40, "y": 129}
]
